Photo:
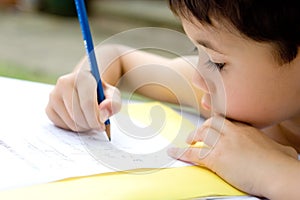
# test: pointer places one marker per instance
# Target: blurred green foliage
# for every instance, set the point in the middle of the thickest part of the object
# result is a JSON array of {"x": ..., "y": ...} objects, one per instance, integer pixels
[{"x": 12, "y": 70}]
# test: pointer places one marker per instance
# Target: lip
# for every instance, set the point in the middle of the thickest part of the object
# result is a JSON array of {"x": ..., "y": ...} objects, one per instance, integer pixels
[{"x": 205, "y": 102}]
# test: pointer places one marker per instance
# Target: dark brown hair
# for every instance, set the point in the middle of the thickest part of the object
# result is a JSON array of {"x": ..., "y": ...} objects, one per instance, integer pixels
[{"x": 276, "y": 22}]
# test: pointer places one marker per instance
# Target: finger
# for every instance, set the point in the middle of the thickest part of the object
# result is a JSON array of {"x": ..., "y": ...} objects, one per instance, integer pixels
[
  {"x": 194, "y": 137},
  {"x": 62, "y": 112},
  {"x": 58, "y": 104},
  {"x": 77, "y": 113},
  {"x": 114, "y": 94},
  {"x": 55, "y": 118},
  {"x": 112, "y": 103},
  {"x": 290, "y": 151},
  {"x": 87, "y": 109},
  {"x": 87, "y": 97},
  {"x": 192, "y": 155},
  {"x": 207, "y": 135},
  {"x": 89, "y": 106},
  {"x": 216, "y": 122},
  {"x": 107, "y": 108},
  {"x": 64, "y": 100}
]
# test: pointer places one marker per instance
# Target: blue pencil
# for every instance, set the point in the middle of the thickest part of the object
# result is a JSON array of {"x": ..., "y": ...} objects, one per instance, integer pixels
[{"x": 89, "y": 47}]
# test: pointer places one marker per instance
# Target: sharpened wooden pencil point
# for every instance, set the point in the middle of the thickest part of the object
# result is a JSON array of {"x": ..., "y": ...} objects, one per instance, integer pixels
[{"x": 108, "y": 131}]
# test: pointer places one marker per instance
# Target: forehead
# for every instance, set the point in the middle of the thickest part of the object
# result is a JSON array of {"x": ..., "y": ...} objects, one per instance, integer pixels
[
  {"x": 229, "y": 42},
  {"x": 219, "y": 35}
]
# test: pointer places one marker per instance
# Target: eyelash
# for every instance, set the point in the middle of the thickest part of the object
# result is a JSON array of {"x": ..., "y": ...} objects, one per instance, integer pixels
[
  {"x": 211, "y": 64},
  {"x": 219, "y": 66}
]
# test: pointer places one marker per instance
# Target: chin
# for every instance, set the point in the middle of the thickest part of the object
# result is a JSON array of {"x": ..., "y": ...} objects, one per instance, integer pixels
[{"x": 259, "y": 124}]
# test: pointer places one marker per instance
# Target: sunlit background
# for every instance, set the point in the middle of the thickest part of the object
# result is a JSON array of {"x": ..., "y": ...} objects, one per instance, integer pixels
[{"x": 41, "y": 39}]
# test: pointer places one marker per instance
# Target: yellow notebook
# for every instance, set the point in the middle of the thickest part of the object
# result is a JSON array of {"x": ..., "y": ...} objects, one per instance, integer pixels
[{"x": 173, "y": 183}]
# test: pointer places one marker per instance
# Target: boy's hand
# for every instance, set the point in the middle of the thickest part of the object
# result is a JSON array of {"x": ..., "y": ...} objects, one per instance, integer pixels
[
  {"x": 73, "y": 102},
  {"x": 240, "y": 154}
]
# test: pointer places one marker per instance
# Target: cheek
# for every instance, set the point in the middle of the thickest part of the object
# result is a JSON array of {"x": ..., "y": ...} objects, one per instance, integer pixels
[
  {"x": 240, "y": 107},
  {"x": 237, "y": 106},
  {"x": 250, "y": 107}
]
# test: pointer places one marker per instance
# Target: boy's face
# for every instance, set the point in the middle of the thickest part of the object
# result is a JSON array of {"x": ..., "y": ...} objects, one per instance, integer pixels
[{"x": 253, "y": 88}]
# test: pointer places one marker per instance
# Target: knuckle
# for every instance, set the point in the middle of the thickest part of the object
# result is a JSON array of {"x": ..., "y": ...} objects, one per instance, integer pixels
[
  {"x": 61, "y": 80},
  {"x": 116, "y": 107},
  {"x": 49, "y": 112},
  {"x": 53, "y": 96},
  {"x": 291, "y": 151},
  {"x": 64, "y": 81},
  {"x": 208, "y": 122}
]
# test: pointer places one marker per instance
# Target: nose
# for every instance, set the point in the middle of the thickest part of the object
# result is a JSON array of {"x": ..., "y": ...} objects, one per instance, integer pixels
[{"x": 200, "y": 82}]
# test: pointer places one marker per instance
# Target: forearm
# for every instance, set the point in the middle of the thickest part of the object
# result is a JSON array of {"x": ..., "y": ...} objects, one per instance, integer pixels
[
  {"x": 151, "y": 75},
  {"x": 285, "y": 183}
]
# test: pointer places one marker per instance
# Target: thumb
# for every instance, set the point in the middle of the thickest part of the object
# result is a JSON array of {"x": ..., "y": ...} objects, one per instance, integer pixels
[{"x": 111, "y": 105}]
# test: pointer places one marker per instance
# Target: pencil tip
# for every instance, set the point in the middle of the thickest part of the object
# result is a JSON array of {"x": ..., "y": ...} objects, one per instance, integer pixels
[{"x": 108, "y": 131}]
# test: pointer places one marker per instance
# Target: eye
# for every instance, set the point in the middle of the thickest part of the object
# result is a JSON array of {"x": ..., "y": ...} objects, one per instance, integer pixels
[
  {"x": 214, "y": 65},
  {"x": 195, "y": 50},
  {"x": 219, "y": 65}
]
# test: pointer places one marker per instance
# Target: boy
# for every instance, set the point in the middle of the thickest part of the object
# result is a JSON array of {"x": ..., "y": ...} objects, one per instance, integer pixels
[{"x": 253, "y": 131}]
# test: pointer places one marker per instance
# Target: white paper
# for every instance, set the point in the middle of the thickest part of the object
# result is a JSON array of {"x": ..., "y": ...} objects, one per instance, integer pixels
[{"x": 33, "y": 151}]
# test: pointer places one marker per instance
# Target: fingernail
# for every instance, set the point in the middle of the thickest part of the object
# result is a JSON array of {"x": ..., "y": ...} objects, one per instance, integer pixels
[
  {"x": 101, "y": 127},
  {"x": 103, "y": 115},
  {"x": 190, "y": 138}
]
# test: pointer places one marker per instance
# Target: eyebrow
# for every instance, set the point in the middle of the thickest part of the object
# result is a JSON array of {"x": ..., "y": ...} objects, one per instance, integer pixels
[{"x": 208, "y": 45}]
